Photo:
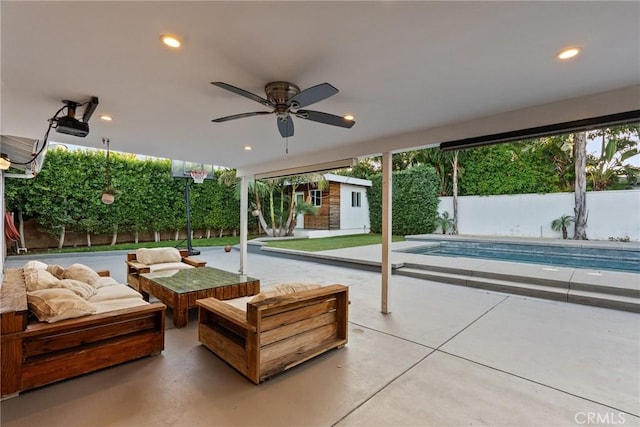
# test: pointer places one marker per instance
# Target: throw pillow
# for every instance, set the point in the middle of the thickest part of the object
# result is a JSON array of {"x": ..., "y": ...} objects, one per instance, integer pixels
[
  {"x": 83, "y": 290},
  {"x": 82, "y": 273},
  {"x": 56, "y": 304},
  {"x": 35, "y": 264},
  {"x": 151, "y": 256},
  {"x": 36, "y": 279},
  {"x": 56, "y": 270},
  {"x": 283, "y": 289}
]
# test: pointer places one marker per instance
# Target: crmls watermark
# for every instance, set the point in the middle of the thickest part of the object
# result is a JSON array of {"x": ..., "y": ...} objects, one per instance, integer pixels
[{"x": 600, "y": 418}]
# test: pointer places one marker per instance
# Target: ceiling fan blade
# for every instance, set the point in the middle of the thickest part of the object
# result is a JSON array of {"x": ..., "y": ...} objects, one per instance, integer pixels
[
  {"x": 285, "y": 126},
  {"x": 326, "y": 118},
  {"x": 312, "y": 95},
  {"x": 240, "y": 116},
  {"x": 244, "y": 93}
]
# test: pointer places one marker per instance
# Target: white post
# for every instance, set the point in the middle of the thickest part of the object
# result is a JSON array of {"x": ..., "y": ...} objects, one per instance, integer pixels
[
  {"x": 386, "y": 229},
  {"x": 244, "y": 221}
]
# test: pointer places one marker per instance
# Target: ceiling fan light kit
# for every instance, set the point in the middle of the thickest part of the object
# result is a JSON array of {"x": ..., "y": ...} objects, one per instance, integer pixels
[{"x": 283, "y": 98}]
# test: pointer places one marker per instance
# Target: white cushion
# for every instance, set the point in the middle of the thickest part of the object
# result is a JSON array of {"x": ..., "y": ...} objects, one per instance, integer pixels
[
  {"x": 82, "y": 273},
  {"x": 56, "y": 270},
  {"x": 107, "y": 281},
  {"x": 35, "y": 264},
  {"x": 283, "y": 289},
  {"x": 240, "y": 303},
  {"x": 150, "y": 256},
  {"x": 83, "y": 290},
  {"x": 107, "y": 293},
  {"x": 117, "y": 304},
  {"x": 169, "y": 266},
  {"x": 36, "y": 279},
  {"x": 53, "y": 305}
]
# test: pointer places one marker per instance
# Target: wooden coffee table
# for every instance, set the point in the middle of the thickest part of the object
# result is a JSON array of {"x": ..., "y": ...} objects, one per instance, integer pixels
[{"x": 179, "y": 289}]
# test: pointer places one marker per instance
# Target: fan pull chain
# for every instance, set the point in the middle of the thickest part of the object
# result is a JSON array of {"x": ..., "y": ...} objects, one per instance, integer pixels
[{"x": 286, "y": 150}]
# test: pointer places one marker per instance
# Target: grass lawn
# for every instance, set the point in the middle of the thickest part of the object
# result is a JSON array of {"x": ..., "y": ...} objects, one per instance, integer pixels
[
  {"x": 326, "y": 243},
  {"x": 310, "y": 245}
]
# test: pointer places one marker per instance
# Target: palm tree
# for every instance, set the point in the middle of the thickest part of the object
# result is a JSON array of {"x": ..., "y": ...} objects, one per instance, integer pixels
[
  {"x": 279, "y": 193},
  {"x": 561, "y": 224},
  {"x": 445, "y": 222}
]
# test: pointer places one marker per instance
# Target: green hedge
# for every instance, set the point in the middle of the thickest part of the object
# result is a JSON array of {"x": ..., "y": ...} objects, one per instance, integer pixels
[
  {"x": 65, "y": 196},
  {"x": 415, "y": 201}
]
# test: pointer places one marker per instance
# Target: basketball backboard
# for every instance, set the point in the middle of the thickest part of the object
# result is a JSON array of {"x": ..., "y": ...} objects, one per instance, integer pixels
[{"x": 182, "y": 169}]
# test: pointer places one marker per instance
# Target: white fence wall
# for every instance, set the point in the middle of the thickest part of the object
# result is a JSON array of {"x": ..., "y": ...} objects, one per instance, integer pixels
[{"x": 610, "y": 214}]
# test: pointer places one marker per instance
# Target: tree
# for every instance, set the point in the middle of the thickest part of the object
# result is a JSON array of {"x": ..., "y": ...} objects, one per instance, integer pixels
[
  {"x": 610, "y": 169},
  {"x": 561, "y": 224},
  {"x": 506, "y": 169},
  {"x": 580, "y": 192},
  {"x": 455, "y": 191},
  {"x": 557, "y": 151},
  {"x": 281, "y": 208},
  {"x": 445, "y": 222}
]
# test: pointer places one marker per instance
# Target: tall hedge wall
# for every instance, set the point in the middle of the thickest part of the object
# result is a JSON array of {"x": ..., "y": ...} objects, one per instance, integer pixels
[
  {"x": 65, "y": 196},
  {"x": 414, "y": 197}
]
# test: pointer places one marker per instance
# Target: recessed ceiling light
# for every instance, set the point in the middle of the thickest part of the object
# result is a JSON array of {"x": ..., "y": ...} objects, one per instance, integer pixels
[
  {"x": 170, "y": 41},
  {"x": 106, "y": 118},
  {"x": 568, "y": 53},
  {"x": 247, "y": 148},
  {"x": 348, "y": 117}
]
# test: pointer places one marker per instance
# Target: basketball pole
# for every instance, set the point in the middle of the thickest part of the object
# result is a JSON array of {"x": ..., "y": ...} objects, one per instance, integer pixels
[{"x": 187, "y": 202}]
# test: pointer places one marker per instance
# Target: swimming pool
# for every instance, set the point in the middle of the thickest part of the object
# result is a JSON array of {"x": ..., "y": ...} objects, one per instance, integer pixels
[{"x": 565, "y": 256}]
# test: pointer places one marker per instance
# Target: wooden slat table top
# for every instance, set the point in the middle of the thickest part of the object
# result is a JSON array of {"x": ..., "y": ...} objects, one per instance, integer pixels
[{"x": 196, "y": 279}]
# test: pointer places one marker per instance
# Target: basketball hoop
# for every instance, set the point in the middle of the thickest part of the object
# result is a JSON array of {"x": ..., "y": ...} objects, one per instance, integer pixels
[{"x": 198, "y": 176}]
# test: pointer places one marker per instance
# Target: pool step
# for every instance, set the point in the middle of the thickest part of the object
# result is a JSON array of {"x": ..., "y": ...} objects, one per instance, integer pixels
[
  {"x": 628, "y": 290},
  {"x": 614, "y": 297}
]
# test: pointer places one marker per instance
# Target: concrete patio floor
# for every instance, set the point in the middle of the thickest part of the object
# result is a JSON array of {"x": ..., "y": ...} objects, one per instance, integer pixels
[{"x": 445, "y": 355}]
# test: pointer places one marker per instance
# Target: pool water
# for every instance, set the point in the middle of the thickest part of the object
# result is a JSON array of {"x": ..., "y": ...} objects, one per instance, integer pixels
[{"x": 565, "y": 256}]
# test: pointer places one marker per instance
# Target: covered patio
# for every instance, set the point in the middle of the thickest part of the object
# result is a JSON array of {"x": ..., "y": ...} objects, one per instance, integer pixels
[
  {"x": 411, "y": 74},
  {"x": 446, "y": 355},
  {"x": 414, "y": 75}
]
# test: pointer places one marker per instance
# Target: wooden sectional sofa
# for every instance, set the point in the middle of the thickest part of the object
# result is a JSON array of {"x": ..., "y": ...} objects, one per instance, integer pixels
[
  {"x": 276, "y": 333},
  {"x": 35, "y": 353}
]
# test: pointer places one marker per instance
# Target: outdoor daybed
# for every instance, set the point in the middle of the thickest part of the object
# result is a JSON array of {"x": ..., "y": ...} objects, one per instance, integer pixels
[
  {"x": 275, "y": 330},
  {"x": 58, "y": 323},
  {"x": 146, "y": 260}
]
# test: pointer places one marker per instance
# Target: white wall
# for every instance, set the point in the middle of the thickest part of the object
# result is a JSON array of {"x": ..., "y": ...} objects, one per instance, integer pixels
[
  {"x": 353, "y": 218},
  {"x": 610, "y": 214}
]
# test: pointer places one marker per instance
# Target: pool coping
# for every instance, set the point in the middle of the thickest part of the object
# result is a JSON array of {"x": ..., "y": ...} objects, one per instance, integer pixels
[{"x": 604, "y": 288}]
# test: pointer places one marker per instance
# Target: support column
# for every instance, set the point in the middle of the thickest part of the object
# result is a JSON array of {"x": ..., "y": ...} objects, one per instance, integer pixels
[
  {"x": 386, "y": 230},
  {"x": 244, "y": 222}
]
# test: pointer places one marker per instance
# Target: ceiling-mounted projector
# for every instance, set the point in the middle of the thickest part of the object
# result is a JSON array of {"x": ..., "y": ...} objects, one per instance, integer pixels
[
  {"x": 72, "y": 126},
  {"x": 69, "y": 124}
]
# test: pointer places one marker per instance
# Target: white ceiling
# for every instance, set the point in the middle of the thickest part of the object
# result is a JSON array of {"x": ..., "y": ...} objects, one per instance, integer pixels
[{"x": 413, "y": 73}]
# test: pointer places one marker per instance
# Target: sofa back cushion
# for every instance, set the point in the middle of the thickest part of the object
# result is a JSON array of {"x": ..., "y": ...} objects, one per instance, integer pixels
[
  {"x": 83, "y": 290},
  {"x": 35, "y": 264},
  {"x": 151, "y": 256},
  {"x": 82, "y": 273},
  {"x": 283, "y": 289},
  {"x": 56, "y": 270},
  {"x": 36, "y": 279},
  {"x": 56, "y": 304}
]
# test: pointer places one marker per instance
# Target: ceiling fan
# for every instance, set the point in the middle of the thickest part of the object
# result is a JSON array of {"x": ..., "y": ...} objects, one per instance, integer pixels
[{"x": 283, "y": 98}]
